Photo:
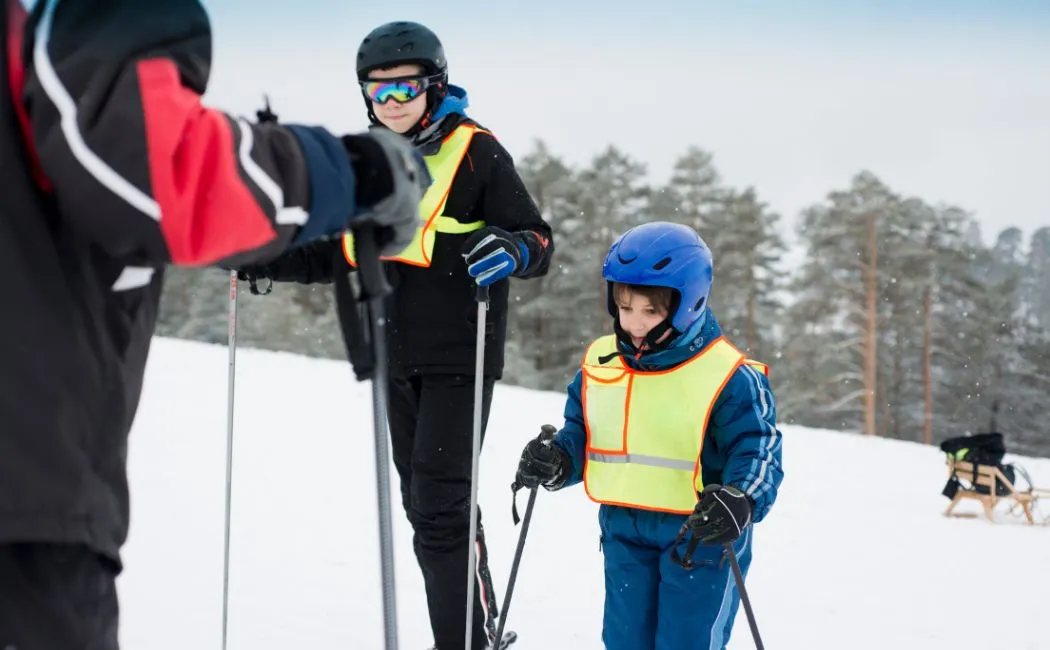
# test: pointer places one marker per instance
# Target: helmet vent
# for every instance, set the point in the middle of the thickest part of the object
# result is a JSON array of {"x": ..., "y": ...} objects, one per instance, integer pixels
[
  {"x": 699, "y": 304},
  {"x": 662, "y": 263}
]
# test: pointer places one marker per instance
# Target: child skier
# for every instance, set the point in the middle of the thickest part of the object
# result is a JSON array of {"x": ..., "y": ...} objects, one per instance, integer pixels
[
  {"x": 478, "y": 226},
  {"x": 671, "y": 430}
]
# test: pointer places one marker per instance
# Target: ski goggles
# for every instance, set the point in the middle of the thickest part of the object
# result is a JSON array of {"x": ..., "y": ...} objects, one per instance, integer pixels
[{"x": 401, "y": 90}]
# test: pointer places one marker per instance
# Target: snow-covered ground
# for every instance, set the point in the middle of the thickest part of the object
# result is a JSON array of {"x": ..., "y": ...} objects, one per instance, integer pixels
[{"x": 855, "y": 555}]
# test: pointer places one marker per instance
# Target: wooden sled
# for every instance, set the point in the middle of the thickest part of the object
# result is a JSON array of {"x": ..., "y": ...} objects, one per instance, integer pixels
[{"x": 991, "y": 478}]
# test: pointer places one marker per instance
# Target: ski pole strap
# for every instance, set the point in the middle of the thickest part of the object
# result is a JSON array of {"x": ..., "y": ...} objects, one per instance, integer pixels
[
  {"x": 373, "y": 280},
  {"x": 514, "y": 487},
  {"x": 546, "y": 436},
  {"x": 266, "y": 115},
  {"x": 686, "y": 561}
]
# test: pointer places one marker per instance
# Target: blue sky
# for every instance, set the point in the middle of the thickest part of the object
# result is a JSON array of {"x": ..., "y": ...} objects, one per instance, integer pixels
[{"x": 946, "y": 100}]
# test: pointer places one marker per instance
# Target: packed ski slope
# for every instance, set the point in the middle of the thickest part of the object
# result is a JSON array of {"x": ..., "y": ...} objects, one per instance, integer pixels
[{"x": 855, "y": 555}]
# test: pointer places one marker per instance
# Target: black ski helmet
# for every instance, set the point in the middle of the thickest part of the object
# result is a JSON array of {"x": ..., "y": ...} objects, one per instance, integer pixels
[
  {"x": 400, "y": 43},
  {"x": 403, "y": 42}
]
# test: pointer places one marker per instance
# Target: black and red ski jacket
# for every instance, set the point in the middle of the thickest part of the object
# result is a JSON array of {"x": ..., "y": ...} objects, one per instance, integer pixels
[{"x": 110, "y": 169}]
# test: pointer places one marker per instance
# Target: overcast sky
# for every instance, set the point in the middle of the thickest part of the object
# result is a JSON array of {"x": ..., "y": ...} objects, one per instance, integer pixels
[{"x": 950, "y": 101}]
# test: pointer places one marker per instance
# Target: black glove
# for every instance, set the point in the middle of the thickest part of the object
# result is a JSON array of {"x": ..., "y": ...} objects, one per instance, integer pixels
[
  {"x": 251, "y": 274},
  {"x": 493, "y": 254},
  {"x": 543, "y": 463},
  {"x": 721, "y": 516},
  {"x": 391, "y": 180}
]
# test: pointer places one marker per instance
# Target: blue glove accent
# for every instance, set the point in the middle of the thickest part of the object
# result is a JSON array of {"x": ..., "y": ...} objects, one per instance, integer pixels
[
  {"x": 333, "y": 183},
  {"x": 524, "y": 262},
  {"x": 492, "y": 268},
  {"x": 493, "y": 254}
]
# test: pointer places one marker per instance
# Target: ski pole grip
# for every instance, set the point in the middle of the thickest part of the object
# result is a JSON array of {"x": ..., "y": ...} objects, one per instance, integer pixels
[
  {"x": 546, "y": 437},
  {"x": 483, "y": 293},
  {"x": 547, "y": 432},
  {"x": 366, "y": 245}
]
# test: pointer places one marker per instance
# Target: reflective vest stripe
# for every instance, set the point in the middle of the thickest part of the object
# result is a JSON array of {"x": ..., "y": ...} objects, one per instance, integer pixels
[
  {"x": 641, "y": 459},
  {"x": 442, "y": 166}
]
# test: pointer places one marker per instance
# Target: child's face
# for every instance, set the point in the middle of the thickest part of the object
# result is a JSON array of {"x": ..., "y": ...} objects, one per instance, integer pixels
[
  {"x": 399, "y": 118},
  {"x": 638, "y": 316}
]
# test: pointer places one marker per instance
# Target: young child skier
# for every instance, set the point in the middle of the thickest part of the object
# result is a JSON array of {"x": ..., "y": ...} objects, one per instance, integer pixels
[
  {"x": 672, "y": 430},
  {"x": 478, "y": 226}
]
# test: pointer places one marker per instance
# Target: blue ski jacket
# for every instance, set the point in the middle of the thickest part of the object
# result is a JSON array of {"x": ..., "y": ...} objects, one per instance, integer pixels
[{"x": 742, "y": 445}]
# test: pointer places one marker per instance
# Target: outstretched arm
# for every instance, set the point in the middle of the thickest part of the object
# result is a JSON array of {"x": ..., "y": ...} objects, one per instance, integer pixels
[
  {"x": 139, "y": 166},
  {"x": 313, "y": 263}
]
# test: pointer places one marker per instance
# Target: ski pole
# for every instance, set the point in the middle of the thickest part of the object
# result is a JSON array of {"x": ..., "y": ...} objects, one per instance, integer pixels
[
  {"x": 728, "y": 546},
  {"x": 232, "y": 345},
  {"x": 546, "y": 436},
  {"x": 373, "y": 289},
  {"x": 488, "y": 591},
  {"x": 479, "y": 364}
]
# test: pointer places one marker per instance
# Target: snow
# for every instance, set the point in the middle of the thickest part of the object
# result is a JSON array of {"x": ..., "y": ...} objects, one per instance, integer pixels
[{"x": 855, "y": 554}]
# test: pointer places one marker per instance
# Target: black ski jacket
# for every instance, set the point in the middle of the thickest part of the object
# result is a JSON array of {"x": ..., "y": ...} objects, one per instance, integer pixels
[
  {"x": 432, "y": 312},
  {"x": 111, "y": 170}
]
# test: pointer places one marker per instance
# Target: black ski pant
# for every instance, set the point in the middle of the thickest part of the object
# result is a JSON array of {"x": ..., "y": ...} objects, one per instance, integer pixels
[
  {"x": 57, "y": 596},
  {"x": 431, "y": 429}
]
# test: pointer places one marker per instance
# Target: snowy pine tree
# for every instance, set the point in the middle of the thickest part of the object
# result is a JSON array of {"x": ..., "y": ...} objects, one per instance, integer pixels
[
  {"x": 1037, "y": 280},
  {"x": 532, "y": 306},
  {"x": 747, "y": 247},
  {"x": 831, "y": 344}
]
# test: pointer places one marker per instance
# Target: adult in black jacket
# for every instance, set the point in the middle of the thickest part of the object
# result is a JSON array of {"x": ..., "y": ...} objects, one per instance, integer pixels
[
  {"x": 112, "y": 169},
  {"x": 489, "y": 228}
]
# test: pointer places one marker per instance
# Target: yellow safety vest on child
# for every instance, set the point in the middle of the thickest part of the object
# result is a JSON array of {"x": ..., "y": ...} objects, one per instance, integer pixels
[
  {"x": 645, "y": 429},
  {"x": 442, "y": 166}
]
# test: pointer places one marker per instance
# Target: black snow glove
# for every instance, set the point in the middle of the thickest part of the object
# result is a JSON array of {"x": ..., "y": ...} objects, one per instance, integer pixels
[
  {"x": 252, "y": 274},
  {"x": 721, "y": 516},
  {"x": 543, "y": 463}
]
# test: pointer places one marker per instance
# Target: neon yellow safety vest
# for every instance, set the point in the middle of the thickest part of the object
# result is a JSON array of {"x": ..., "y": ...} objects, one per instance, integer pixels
[
  {"x": 645, "y": 430},
  {"x": 442, "y": 167}
]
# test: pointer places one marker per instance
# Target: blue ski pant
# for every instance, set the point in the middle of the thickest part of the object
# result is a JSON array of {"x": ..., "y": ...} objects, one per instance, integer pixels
[{"x": 653, "y": 603}]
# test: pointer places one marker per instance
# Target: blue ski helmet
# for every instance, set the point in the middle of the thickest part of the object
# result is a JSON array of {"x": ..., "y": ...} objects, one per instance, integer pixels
[{"x": 663, "y": 254}]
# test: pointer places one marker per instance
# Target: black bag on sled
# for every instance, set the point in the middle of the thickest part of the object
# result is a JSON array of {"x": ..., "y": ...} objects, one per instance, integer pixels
[{"x": 978, "y": 449}]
